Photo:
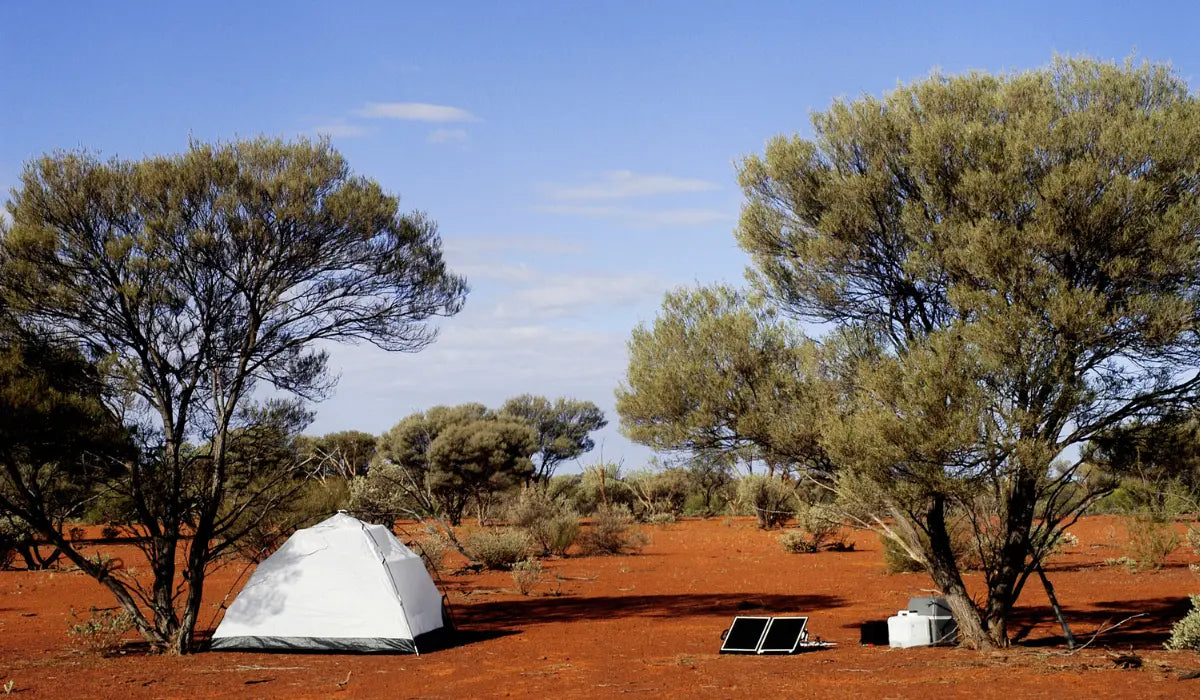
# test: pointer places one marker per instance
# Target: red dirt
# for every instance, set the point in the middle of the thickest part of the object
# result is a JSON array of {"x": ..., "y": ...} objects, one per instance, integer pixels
[{"x": 650, "y": 625}]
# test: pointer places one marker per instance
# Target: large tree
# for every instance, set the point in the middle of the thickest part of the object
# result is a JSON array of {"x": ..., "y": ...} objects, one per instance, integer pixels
[
  {"x": 196, "y": 280},
  {"x": 563, "y": 428},
  {"x": 720, "y": 376},
  {"x": 1021, "y": 251},
  {"x": 438, "y": 462}
]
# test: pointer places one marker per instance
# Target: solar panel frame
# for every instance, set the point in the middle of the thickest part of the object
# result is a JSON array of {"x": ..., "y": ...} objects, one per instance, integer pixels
[
  {"x": 795, "y": 637},
  {"x": 748, "y": 624}
]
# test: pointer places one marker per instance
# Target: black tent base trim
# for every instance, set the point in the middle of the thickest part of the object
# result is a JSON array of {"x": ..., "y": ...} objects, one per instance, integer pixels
[{"x": 335, "y": 645}]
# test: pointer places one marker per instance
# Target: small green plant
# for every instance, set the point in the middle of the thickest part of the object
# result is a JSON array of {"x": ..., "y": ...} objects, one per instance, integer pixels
[
  {"x": 797, "y": 541},
  {"x": 102, "y": 632},
  {"x": 1151, "y": 541},
  {"x": 1185, "y": 634},
  {"x": 660, "y": 518},
  {"x": 550, "y": 521},
  {"x": 526, "y": 573},
  {"x": 497, "y": 549},
  {"x": 612, "y": 532},
  {"x": 9, "y": 686}
]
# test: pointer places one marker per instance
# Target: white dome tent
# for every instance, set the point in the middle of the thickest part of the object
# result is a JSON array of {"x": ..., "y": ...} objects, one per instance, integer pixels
[{"x": 340, "y": 585}]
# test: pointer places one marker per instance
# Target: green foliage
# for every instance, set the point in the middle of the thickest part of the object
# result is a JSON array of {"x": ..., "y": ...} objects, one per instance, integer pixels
[
  {"x": 1006, "y": 264},
  {"x": 1150, "y": 543},
  {"x": 611, "y": 532},
  {"x": 660, "y": 493},
  {"x": 562, "y": 427},
  {"x": 197, "y": 281},
  {"x": 897, "y": 560},
  {"x": 102, "y": 633},
  {"x": 602, "y": 485},
  {"x": 433, "y": 549},
  {"x": 720, "y": 375},
  {"x": 448, "y": 457},
  {"x": 498, "y": 549},
  {"x": 346, "y": 454},
  {"x": 551, "y": 523},
  {"x": 526, "y": 574},
  {"x": 770, "y": 499},
  {"x": 1185, "y": 634},
  {"x": 799, "y": 541}
]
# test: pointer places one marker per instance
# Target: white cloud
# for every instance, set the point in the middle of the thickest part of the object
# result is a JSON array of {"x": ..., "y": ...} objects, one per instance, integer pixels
[
  {"x": 641, "y": 218},
  {"x": 341, "y": 130},
  {"x": 564, "y": 295},
  {"x": 624, "y": 184},
  {"x": 447, "y": 136},
  {"x": 416, "y": 111}
]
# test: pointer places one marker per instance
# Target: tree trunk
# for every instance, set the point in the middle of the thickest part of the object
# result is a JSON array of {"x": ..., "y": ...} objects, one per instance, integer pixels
[{"x": 943, "y": 566}]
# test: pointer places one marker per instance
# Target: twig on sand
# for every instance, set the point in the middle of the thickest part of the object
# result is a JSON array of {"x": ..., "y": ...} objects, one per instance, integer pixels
[
  {"x": 1099, "y": 632},
  {"x": 346, "y": 682}
]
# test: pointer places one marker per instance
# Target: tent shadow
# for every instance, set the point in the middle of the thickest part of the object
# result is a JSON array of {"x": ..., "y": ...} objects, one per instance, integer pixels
[{"x": 511, "y": 614}]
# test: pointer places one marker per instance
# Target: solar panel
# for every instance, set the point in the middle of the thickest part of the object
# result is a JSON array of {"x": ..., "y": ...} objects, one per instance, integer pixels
[
  {"x": 744, "y": 635},
  {"x": 783, "y": 635}
]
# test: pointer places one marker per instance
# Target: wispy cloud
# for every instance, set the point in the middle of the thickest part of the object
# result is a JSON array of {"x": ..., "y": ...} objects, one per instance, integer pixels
[
  {"x": 342, "y": 130},
  {"x": 641, "y": 218},
  {"x": 416, "y": 111},
  {"x": 473, "y": 246},
  {"x": 625, "y": 184},
  {"x": 447, "y": 136}
]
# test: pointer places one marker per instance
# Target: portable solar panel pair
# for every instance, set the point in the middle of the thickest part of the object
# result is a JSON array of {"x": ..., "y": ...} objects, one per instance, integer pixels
[{"x": 765, "y": 635}]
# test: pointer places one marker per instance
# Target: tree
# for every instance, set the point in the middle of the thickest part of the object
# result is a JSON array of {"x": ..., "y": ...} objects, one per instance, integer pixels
[
  {"x": 196, "y": 279},
  {"x": 447, "y": 457},
  {"x": 719, "y": 374},
  {"x": 562, "y": 427},
  {"x": 59, "y": 446},
  {"x": 1018, "y": 256},
  {"x": 347, "y": 454}
]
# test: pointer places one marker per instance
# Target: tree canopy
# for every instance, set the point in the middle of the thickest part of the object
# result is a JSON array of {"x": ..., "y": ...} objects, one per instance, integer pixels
[
  {"x": 721, "y": 373},
  {"x": 563, "y": 428},
  {"x": 193, "y": 280},
  {"x": 1021, "y": 251}
]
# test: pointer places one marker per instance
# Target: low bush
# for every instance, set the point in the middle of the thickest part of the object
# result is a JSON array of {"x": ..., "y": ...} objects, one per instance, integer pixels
[
  {"x": 526, "y": 574},
  {"x": 798, "y": 541},
  {"x": 433, "y": 549},
  {"x": 497, "y": 549},
  {"x": 612, "y": 532},
  {"x": 550, "y": 522},
  {"x": 1185, "y": 634},
  {"x": 896, "y": 560},
  {"x": 102, "y": 632},
  {"x": 770, "y": 499},
  {"x": 1151, "y": 541},
  {"x": 660, "y": 518}
]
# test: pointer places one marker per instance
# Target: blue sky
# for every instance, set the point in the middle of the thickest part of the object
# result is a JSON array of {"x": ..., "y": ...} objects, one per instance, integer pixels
[{"x": 579, "y": 157}]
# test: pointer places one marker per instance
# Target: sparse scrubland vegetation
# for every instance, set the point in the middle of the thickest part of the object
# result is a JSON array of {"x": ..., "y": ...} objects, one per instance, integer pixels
[{"x": 1003, "y": 268}]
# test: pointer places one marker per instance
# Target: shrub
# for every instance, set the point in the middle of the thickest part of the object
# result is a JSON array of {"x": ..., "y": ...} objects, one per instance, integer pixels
[
  {"x": 550, "y": 522},
  {"x": 110, "y": 531},
  {"x": 660, "y": 518},
  {"x": 798, "y": 541},
  {"x": 433, "y": 548},
  {"x": 769, "y": 498},
  {"x": 819, "y": 527},
  {"x": 102, "y": 632},
  {"x": 526, "y": 573},
  {"x": 896, "y": 560},
  {"x": 1150, "y": 543},
  {"x": 497, "y": 549},
  {"x": 612, "y": 533},
  {"x": 1185, "y": 634}
]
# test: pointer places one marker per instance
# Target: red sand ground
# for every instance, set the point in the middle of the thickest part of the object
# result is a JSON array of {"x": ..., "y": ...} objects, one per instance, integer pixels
[{"x": 649, "y": 625}]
